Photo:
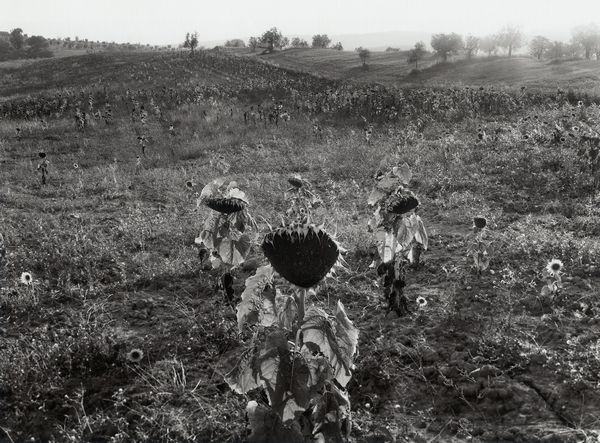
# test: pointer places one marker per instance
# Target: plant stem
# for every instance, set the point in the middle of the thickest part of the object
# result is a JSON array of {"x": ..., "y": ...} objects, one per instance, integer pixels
[{"x": 301, "y": 305}]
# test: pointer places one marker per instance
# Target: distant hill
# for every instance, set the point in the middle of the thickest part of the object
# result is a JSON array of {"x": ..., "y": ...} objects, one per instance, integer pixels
[
  {"x": 392, "y": 68},
  {"x": 379, "y": 41},
  {"x": 385, "y": 67}
]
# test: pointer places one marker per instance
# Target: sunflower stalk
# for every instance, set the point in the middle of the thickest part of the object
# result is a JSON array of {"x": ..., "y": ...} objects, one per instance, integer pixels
[
  {"x": 291, "y": 341},
  {"x": 300, "y": 297},
  {"x": 477, "y": 246}
]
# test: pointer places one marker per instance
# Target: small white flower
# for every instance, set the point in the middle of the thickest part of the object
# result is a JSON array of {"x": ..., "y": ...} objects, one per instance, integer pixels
[
  {"x": 554, "y": 267},
  {"x": 26, "y": 278},
  {"x": 421, "y": 302}
]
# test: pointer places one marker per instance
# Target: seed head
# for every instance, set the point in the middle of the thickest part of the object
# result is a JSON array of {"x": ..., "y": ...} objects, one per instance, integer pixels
[{"x": 135, "y": 355}]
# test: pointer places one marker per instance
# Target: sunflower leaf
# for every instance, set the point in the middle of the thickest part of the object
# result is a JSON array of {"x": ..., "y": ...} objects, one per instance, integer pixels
[
  {"x": 421, "y": 234},
  {"x": 403, "y": 173},
  {"x": 267, "y": 427},
  {"x": 255, "y": 307},
  {"x": 386, "y": 244},
  {"x": 336, "y": 338},
  {"x": 234, "y": 250}
]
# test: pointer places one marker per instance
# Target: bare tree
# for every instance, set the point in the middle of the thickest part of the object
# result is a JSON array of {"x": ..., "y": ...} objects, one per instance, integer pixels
[
  {"x": 572, "y": 50},
  {"x": 510, "y": 38},
  {"x": 556, "y": 50},
  {"x": 588, "y": 37},
  {"x": 364, "y": 55},
  {"x": 471, "y": 46},
  {"x": 253, "y": 43},
  {"x": 416, "y": 54},
  {"x": 489, "y": 44},
  {"x": 538, "y": 46},
  {"x": 191, "y": 41}
]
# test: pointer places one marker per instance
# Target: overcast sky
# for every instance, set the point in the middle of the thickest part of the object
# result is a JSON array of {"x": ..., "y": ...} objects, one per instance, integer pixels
[{"x": 166, "y": 21}]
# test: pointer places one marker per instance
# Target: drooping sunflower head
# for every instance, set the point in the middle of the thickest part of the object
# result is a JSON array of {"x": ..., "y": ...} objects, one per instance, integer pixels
[
  {"x": 223, "y": 198},
  {"x": 302, "y": 254},
  {"x": 401, "y": 202},
  {"x": 554, "y": 267},
  {"x": 296, "y": 181},
  {"x": 225, "y": 205}
]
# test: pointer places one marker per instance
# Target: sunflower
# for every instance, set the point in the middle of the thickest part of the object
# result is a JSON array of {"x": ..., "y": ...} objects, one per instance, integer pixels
[
  {"x": 554, "y": 267},
  {"x": 135, "y": 355},
  {"x": 479, "y": 222},
  {"x": 421, "y": 302},
  {"x": 302, "y": 255},
  {"x": 42, "y": 155},
  {"x": 189, "y": 184},
  {"x": 75, "y": 166},
  {"x": 401, "y": 202},
  {"x": 226, "y": 205},
  {"x": 26, "y": 278},
  {"x": 295, "y": 181}
]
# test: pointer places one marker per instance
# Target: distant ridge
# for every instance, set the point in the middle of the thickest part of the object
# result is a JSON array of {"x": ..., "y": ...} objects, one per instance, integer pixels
[{"x": 377, "y": 41}]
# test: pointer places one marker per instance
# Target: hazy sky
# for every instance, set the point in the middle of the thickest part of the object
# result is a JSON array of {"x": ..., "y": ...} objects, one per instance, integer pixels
[{"x": 166, "y": 21}]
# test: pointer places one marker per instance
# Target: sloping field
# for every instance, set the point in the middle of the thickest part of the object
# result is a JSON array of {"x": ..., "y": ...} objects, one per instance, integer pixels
[
  {"x": 391, "y": 68},
  {"x": 117, "y": 326}
]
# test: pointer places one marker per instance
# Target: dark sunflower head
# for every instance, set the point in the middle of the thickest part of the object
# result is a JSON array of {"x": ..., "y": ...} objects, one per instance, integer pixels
[
  {"x": 295, "y": 181},
  {"x": 479, "y": 222},
  {"x": 225, "y": 205},
  {"x": 401, "y": 202},
  {"x": 303, "y": 255}
]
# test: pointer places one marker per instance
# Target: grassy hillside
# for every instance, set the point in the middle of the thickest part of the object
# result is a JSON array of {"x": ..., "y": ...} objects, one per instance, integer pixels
[
  {"x": 106, "y": 233},
  {"x": 384, "y": 67},
  {"x": 391, "y": 68},
  {"x": 581, "y": 74}
]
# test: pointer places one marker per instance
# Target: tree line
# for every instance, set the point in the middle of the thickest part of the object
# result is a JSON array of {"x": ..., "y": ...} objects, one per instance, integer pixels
[
  {"x": 273, "y": 39},
  {"x": 17, "y": 44},
  {"x": 585, "y": 42}
]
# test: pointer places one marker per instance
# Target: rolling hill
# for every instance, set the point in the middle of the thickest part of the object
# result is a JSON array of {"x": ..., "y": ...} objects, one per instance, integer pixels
[{"x": 391, "y": 68}]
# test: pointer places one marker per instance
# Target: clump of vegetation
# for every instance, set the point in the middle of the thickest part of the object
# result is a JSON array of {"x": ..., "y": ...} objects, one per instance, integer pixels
[
  {"x": 301, "y": 357},
  {"x": 224, "y": 238},
  {"x": 478, "y": 245},
  {"x": 112, "y": 330},
  {"x": 399, "y": 232}
]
